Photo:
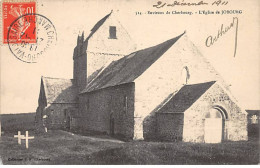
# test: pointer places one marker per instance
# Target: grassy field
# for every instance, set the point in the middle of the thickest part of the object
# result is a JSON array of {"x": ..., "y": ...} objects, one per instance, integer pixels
[
  {"x": 20, "y": 121},
  {"x": 60, "y": 147}
]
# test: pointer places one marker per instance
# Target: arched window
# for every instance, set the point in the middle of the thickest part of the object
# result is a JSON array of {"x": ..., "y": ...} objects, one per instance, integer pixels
[{"x": 185, "y": 75}]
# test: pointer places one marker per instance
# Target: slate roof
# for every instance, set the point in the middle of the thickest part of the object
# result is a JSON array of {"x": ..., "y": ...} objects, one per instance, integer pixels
[
  {"x": 128, "y": 68},
  {"x": 58, "y": 90},
  {"x": 184, "y": 98}
]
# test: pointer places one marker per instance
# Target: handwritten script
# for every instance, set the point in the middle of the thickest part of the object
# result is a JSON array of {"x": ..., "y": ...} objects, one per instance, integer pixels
[
  {"x": 221, "y": 32},
  {"x": 161, "y": 4}
]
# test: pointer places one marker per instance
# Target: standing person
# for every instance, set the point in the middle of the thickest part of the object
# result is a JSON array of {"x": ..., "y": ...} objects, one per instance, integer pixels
[{"x": 44, "y": 119}]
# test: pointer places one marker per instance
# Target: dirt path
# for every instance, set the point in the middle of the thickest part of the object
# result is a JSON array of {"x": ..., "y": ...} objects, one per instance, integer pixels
[{"x": 96, "y": 138}]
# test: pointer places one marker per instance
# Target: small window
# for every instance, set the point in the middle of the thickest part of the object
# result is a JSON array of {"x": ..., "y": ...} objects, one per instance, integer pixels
[
  {"x": 125, "y": 103},
  {"x": 112, "y": 32}
]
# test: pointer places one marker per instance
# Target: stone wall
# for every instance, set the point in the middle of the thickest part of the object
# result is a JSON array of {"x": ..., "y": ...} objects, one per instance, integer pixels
[
  {"x": 235, "y": 124},
  {"x": 100, "y": 42},
  {"x": 56, "y": 114},
  {"x": 96, "y": 61},
  {"x": 101, "y": 49},
  {"x": 98, "y": 50},
  {"x": 100, "y": 107},
  {"x": 169, "y": 126},
  {"x": 149, "y": 126}
]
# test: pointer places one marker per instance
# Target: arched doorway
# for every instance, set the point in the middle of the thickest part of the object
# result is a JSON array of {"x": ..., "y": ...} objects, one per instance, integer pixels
[{"x": 214, "y": 126}]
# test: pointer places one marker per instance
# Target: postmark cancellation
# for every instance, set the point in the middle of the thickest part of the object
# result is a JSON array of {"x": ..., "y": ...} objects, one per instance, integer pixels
[{"x": 27, "y": 33}]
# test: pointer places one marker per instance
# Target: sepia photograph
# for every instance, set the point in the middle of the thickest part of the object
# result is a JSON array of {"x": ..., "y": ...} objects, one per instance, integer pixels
[{"x": 131, "y": 82}]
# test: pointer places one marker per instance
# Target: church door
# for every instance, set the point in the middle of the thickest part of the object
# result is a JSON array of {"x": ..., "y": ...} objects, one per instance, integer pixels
[
  {"x": 67, "y": 119},
  {"x": 213, "y": 127},
  {"x": 68, "y": 122}
]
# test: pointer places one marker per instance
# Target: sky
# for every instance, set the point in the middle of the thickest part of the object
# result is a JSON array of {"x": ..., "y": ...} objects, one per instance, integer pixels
[{"x": 20, "y": 82}]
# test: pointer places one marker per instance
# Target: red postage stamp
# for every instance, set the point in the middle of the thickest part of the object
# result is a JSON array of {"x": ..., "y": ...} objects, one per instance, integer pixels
[{"x": 15, "y": 25}]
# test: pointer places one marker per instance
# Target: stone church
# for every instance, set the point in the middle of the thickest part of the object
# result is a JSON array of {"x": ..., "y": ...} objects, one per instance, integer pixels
[{"x": 167, "y": 92}]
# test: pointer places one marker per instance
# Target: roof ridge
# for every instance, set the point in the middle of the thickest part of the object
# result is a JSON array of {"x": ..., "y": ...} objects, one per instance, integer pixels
[
  {"x": 201, "y": 83},
  {"x": 59, "y": 90},
  {"x": 182, "y": 100},
  {"x": 169, "y": 40},
  {"x": 254, "y": 110},
  {"x": 55, "y": 78},
  {"x": 98, "y": 24}
]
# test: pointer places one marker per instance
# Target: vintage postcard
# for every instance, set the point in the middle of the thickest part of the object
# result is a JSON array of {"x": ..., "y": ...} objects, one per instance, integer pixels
[{"x": 131, "y": 82}]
